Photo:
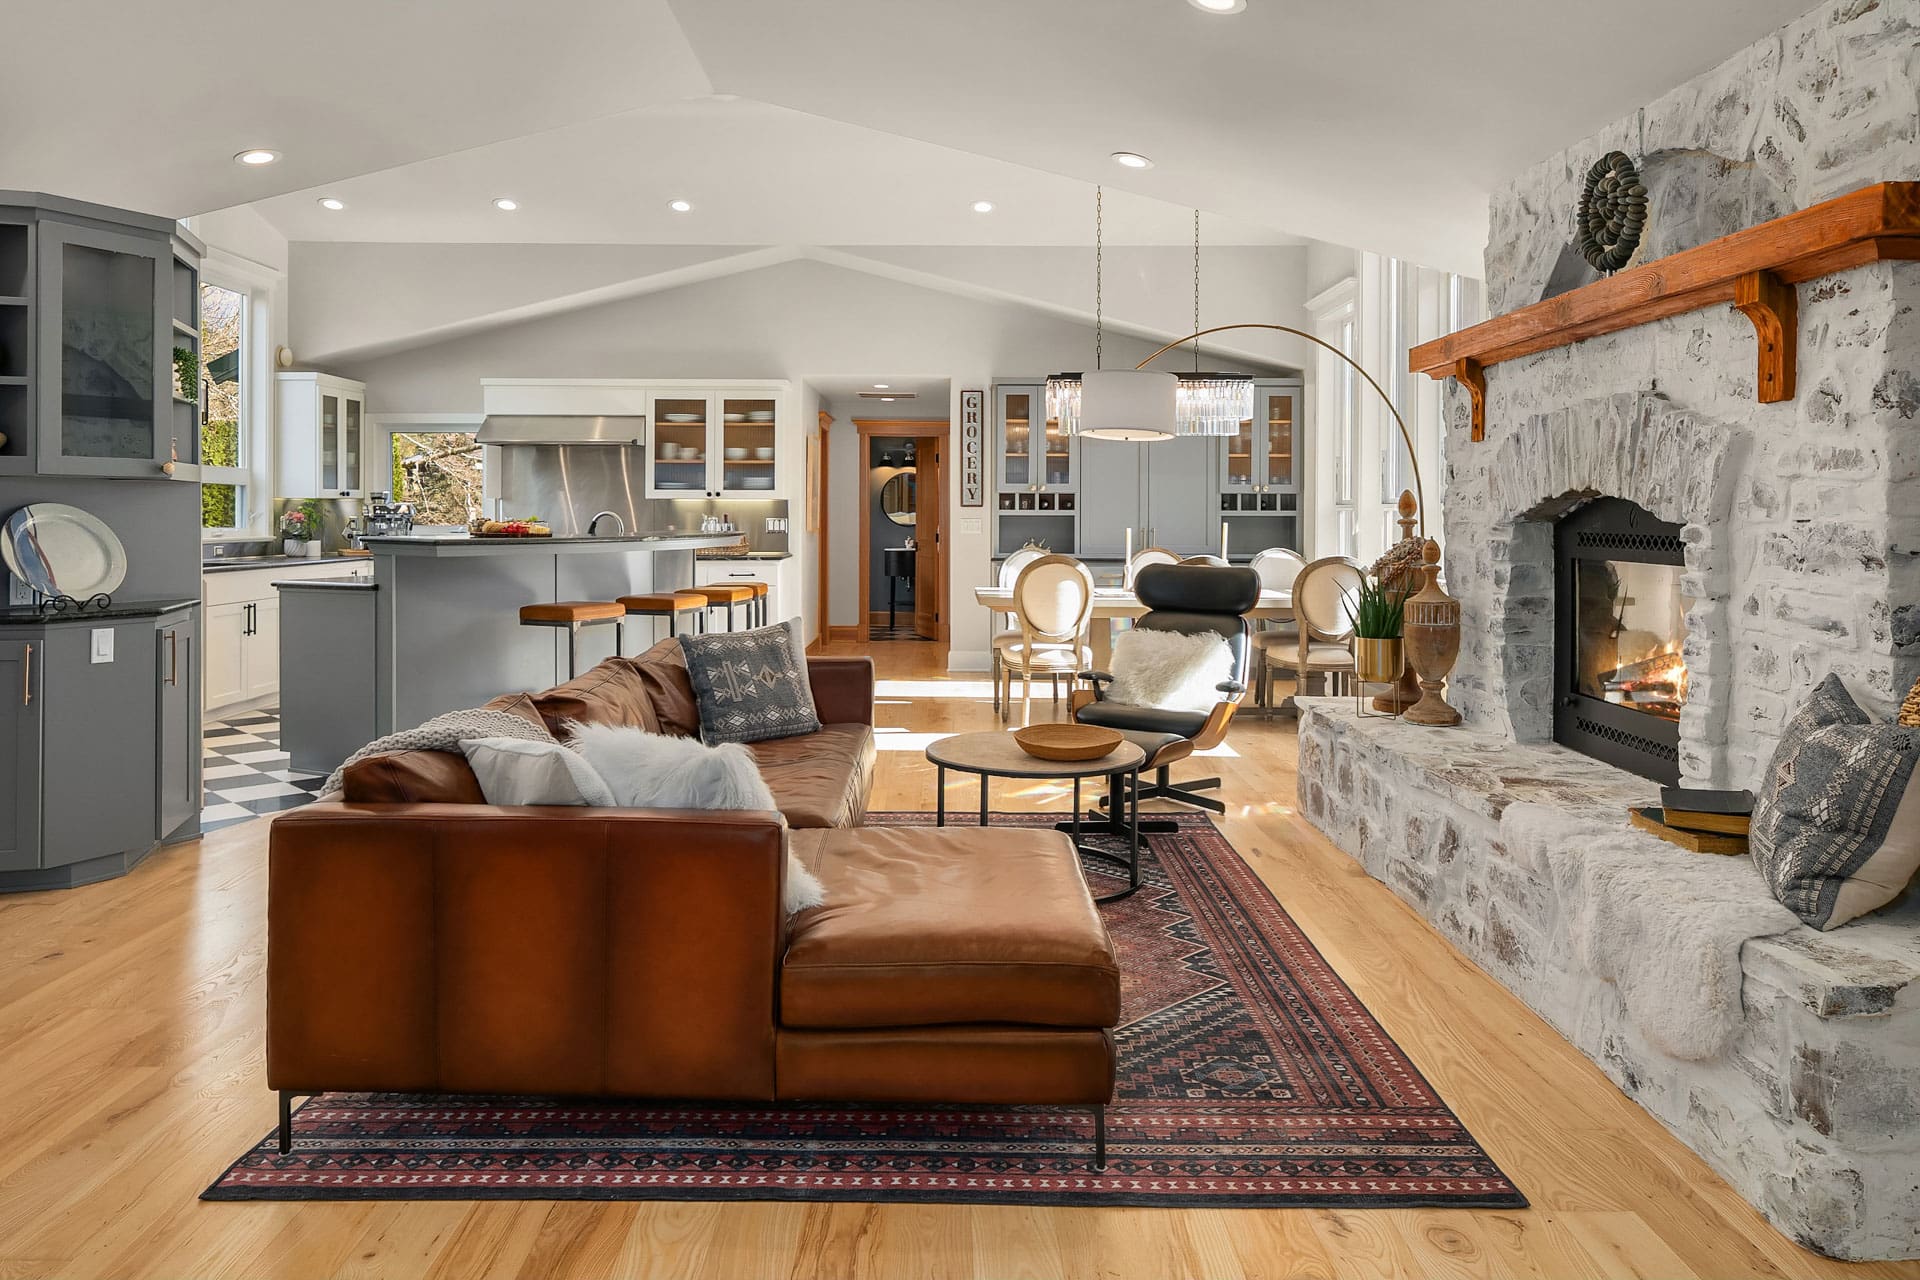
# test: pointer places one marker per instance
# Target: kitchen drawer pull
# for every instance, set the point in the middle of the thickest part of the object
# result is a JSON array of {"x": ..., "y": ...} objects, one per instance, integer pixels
[
  {"x": 26, "y": 679},
  {"x": 173, "y": 657}
]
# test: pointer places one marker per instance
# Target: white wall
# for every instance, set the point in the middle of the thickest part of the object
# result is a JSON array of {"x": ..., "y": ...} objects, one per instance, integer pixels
[
  {"x": 797, "y": 320},
  {"x": 363, "y": 300}
]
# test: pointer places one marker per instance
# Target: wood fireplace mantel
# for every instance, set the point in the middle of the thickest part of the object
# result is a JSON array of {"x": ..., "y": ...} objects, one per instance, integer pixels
[{"x": 1756, "y": 270}]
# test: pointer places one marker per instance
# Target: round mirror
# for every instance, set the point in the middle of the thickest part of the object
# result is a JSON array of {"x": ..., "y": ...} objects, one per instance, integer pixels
[
  {"x": 897, "y": 498},
  {"x": 63, "y": 551}
]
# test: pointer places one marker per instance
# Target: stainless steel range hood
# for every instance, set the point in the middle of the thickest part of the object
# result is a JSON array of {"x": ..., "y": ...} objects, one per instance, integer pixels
[{"x": 561, "y": 429}]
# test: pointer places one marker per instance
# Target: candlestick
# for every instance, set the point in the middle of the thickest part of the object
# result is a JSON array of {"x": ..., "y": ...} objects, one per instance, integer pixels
[
  {"x": 1126, "y": 566},
  {"x": 1223, "y": 539}
]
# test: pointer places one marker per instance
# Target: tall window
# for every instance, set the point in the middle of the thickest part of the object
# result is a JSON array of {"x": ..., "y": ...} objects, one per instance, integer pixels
[
  {"x": 226, "y": 434},
  {"x": 1346, "y": 445},
  {"x": 440, "y": 473}
]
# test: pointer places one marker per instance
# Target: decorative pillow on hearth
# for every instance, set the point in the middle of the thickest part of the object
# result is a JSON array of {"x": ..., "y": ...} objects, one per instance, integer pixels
[
  {"x": 751, "y": 685},
  {"x": 660, "y": 771},
  {"x": 1910, "y": 709},
  {"x": 1836, "y": 827},
  {"x": 1170, "y": 670}
]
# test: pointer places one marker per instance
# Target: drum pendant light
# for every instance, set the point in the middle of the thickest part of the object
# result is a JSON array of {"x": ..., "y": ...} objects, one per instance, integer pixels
[{"x": 1111, "y": 404}]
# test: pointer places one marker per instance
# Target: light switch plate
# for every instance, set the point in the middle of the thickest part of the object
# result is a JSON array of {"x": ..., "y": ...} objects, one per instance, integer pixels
[
  {"x": 970, "y": 524},
  {"x": 103, "y": 644}
]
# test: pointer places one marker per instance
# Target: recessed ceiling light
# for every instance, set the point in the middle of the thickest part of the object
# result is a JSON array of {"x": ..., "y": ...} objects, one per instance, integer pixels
[
  {"x": 1218, "y": 6},
  {"x": 257, "y": 156},
  {"x": 983, "y": 206},
  {"x": 333, "y": 204},
  {"x": 879, "y": 386},
  {"x": 680, "y": 206},
  {"x": 886, "y": 399},
  {"x": 1132, "y": 160},
  {"x": 504, "y": 205}
]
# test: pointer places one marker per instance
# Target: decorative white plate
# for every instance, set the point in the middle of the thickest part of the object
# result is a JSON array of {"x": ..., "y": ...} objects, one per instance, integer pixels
[
  {"x": 60, "y": 550},
  {"x": 734, "y": 417},
  {"x": 683, "y": 417},
  {"x": 760, "y": 415}
]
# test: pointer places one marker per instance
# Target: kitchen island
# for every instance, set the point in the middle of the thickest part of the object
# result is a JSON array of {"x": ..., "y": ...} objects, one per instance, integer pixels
[{"x": 445, "y": 615}]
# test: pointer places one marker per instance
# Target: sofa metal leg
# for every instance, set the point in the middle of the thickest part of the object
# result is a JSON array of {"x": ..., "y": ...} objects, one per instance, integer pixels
[
  {"x": 1099, "y": 1137},
  {"x": 286, "y": 1122}
]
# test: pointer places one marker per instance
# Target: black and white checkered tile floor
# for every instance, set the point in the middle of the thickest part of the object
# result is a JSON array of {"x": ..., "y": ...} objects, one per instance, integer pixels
[{"x": 246, "y": 771}]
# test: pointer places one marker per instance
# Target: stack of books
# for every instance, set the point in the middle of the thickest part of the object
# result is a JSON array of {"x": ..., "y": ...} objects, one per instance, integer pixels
[{"x": 1700, "y": 820}]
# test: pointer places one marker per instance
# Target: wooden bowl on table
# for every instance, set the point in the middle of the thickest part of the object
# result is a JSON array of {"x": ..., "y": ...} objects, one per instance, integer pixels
[{"x": 1067, "y": 741}]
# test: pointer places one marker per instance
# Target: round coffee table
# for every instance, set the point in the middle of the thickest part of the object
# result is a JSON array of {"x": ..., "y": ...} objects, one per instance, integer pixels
[{"x": 994, "y": 754}]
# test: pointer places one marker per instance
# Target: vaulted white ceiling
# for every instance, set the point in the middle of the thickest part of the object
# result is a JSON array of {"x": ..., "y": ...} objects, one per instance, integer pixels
[{"x": 1380, "y": 125}]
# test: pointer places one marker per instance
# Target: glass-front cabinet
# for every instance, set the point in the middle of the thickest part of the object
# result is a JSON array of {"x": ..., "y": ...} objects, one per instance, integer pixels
[
  {"x": 105, "y": 351},
  {"x": 1262, "y": 458},
  {"x": 1036, "y": 455},
  {"x": 713, "y": 444},
  {"x": 322, "y": 425}
]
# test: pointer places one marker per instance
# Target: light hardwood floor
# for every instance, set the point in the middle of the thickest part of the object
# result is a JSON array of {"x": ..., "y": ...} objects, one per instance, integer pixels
[{"x": 131, "y": 1072}]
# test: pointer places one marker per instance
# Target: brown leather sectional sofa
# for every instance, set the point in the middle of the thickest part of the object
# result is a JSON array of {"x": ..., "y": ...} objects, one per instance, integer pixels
[{"x": 420, "y": 940}]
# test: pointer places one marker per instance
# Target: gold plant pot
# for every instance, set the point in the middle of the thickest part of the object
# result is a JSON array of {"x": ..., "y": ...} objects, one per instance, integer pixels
[{"x": 1378, "y": 661}]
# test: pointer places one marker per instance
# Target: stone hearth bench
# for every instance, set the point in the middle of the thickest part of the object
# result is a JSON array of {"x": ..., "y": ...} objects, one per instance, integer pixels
[{"x": 1803, "y": 1090}]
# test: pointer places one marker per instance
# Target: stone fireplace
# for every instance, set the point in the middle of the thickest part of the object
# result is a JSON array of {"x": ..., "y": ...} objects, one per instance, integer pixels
[{"x": 1659, "y": 549}]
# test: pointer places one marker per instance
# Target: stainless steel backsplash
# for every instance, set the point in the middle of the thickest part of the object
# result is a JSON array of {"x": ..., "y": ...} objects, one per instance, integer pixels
[{"x": 567, "y": 484}]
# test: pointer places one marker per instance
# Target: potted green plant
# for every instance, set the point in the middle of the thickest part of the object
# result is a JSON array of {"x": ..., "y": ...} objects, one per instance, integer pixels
[{"x": 1377, "y": 612}]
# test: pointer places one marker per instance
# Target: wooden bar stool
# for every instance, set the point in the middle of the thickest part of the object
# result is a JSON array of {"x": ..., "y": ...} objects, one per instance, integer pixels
[
  {"x": 758, "y": 606},
  {"x": 669, "y": 605},
  {"x": 728, "y": 596},
  {"x": 573, "y": 615}
]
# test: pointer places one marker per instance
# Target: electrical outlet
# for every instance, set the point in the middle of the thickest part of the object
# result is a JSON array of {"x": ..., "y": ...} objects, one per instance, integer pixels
[{"x": 103, "y": 644}]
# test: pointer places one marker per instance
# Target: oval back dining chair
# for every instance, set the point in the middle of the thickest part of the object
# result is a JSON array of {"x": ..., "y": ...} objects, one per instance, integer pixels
[
  {"x": 1320, "y": 596},
  {"x": 1053, "y": 605},
  {"x": 1214, "y": 562},
  {"x": 1009, "y": 574},
  {"x": 1278, "y": 567},
  {"x": 1144, "y": 557}
]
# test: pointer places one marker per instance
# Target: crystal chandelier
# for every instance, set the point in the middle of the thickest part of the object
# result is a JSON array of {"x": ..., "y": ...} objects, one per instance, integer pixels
[
  {"x": 1209, "y": 404},
  {"x": 1111, "y": 404}
]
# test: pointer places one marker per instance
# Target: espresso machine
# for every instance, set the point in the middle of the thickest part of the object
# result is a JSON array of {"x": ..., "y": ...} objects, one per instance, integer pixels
[{"x": 382, "y": 517}]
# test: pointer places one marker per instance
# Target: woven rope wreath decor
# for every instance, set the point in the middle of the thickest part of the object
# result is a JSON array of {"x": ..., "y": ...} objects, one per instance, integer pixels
[{"x": 1613, "y": 209}]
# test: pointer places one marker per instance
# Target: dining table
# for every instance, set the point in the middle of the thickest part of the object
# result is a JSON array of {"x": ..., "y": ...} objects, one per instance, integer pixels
[{"x": 1110, "y": 603}]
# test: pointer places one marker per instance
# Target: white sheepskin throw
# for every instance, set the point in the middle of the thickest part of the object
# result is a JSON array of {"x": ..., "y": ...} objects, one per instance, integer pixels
[
  {"x": 656, "y": 771},
  {"x": 1665, "y": 926},
  {"x": 1169, "y": 669}
]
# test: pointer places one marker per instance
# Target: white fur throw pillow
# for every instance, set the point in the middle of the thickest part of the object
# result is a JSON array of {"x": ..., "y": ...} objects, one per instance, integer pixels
[
  {"x": 656, "y": 771},
  {"x": 1169, "y": 670},
  {"x": 516, "y": 771}
]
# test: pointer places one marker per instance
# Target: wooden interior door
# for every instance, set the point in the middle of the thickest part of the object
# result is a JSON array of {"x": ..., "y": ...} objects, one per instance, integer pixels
[{"x": 930, "y": 550}]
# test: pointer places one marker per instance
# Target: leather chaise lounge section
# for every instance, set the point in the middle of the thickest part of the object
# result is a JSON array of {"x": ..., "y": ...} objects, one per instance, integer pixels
[{"x": 420, "y": 940}]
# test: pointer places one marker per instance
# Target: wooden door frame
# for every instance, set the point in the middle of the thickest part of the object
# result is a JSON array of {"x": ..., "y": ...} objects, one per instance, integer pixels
[
  {"x": 911, "y": 429},
  {"x": 825, "y": 632}
]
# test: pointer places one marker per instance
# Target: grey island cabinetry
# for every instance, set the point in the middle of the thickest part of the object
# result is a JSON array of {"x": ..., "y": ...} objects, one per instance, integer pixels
[
  {"x": 438, "y": 628},
  {"x": 99, "y": 740}
]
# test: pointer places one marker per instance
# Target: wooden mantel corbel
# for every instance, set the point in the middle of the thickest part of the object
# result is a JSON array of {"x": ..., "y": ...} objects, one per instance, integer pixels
[{"x": 1756, "y": 270}]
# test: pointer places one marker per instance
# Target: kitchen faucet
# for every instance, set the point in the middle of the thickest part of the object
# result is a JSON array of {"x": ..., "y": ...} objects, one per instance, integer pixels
[{"x": 617, "y": 519}]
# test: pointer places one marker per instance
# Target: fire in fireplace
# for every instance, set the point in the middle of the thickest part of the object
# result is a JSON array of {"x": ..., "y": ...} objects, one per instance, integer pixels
[{"x": 1620, "y": 621}]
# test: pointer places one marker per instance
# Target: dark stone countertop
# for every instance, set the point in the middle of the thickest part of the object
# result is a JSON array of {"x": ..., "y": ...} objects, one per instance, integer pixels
[
  {"x": 327, "y": 584},
  {"x": 118, "y": 611},
  {"x": 270, "y": 562}
]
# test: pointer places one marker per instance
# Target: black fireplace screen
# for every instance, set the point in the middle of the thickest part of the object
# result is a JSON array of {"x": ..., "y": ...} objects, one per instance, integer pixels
[{"x": 1620, "y": 679}]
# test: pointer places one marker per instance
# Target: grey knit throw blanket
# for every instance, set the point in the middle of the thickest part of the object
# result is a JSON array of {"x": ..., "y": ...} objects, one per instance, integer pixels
[{"x": 444, "y": 733}]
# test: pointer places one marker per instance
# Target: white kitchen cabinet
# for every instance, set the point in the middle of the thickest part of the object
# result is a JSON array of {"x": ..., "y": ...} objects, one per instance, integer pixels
[
  {"x": 715, "y": 442},
  {"x": 242, "y": 646},
  {"x": 223, "y": 653},
  {"x": 322, "y": 436},
  {"x": 781, "y": 576}
]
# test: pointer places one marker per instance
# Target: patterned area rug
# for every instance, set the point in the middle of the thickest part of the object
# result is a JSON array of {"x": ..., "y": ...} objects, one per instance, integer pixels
[{"x": 1250, "y": 1076}]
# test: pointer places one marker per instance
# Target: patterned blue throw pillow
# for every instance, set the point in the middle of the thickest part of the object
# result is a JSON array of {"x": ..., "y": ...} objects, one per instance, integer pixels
[
  {"x": 1836, "y": 829},
  {"x": 751, "y": 685}
]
